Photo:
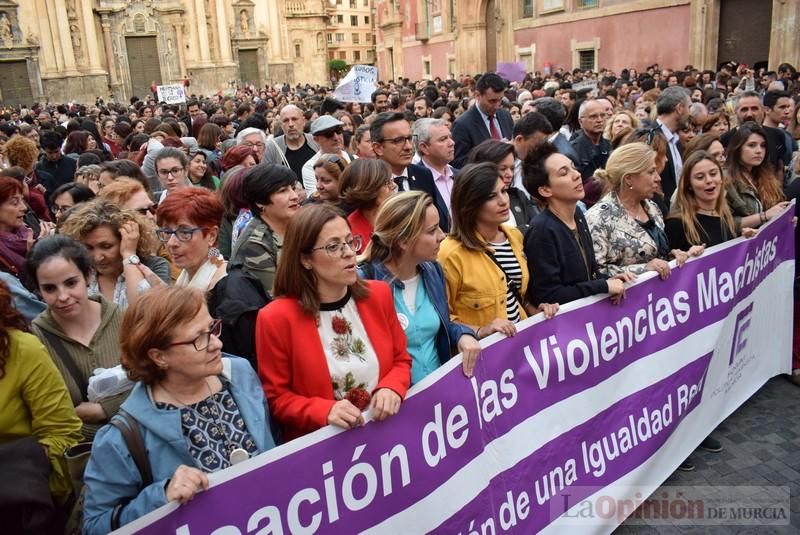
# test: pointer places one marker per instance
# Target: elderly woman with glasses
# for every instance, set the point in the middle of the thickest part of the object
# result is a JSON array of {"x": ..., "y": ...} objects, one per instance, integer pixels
[
  {"x": 188, "y": 223},
  {"x": 330, "y": 345},
  {"x": 197, "y": 411}
]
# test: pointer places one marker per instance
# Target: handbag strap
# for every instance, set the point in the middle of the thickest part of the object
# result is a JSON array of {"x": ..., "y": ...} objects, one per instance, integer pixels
[
  {"x": 512, "y": 284},
  {"x": 132, "y": 434},
  {"x": 61, "y": 350}
]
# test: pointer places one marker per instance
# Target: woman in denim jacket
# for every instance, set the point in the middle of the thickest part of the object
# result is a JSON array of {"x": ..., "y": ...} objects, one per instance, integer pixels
[
  {"x": 197, "y": 411},
  {"x": 402, "y": 252}
]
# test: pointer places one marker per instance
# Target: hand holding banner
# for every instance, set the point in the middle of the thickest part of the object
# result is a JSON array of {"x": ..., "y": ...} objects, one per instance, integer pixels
[{"x": 603, "y": 400}]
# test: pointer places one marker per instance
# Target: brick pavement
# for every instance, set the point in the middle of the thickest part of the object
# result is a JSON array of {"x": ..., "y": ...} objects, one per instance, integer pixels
[{"x": 761, "y": 442}]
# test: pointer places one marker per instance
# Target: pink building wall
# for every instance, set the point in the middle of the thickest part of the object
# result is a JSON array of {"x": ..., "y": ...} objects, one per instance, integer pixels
[
  {"x": 634, "y": 40},
  {"x": 414, "y": 67}
]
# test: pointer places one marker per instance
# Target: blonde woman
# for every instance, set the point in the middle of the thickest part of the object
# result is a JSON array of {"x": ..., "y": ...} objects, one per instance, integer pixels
[
  {"x": 619, "y": 121},
  {"x": 402, "y": 253},
  {"x": 626, "y": 225}
]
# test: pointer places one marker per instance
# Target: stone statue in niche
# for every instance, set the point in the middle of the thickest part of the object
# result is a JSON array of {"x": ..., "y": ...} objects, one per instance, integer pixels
[
  {"x": 499, "y": 22},
  {"x": 320, "y": 42},
  {"x": 71, "y": 13},
  {"x": 75, "y": 34},
  {"x": 244, "y": 22},
  {"x": 6, "y": 34}
]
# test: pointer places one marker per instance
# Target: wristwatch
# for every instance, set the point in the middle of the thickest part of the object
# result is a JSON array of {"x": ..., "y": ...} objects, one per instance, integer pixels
[{"x": 132, "y": 260}]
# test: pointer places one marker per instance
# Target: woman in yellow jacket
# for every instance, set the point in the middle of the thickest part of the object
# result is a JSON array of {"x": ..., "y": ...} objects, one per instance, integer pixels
[
  {"x": 484, "y": 265},
  {"x": 34, "y": 403}
]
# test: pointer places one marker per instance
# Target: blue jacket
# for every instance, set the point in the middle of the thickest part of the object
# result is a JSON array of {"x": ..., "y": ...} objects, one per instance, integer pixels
[
  {"x": 111, "y": 476},
  {"x": 433, "y": 280}
]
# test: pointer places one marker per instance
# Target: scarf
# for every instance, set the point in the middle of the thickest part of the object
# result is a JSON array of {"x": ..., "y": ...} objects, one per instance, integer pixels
[
  {"x": 13, "y": 249},
  {"x": 202, "y": 279}
]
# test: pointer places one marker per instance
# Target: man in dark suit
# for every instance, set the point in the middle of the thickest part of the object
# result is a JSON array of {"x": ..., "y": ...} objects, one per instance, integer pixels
[
  {"x": 486, "y": 119},
  {"x": 673, "y": 109},
  {"x": 193, "y": 111},
  {"x": 391, "y": 141}
]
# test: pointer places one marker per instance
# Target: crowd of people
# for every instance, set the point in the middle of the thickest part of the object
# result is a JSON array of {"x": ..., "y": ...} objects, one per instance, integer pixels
[{"x": 183, "y": 287}]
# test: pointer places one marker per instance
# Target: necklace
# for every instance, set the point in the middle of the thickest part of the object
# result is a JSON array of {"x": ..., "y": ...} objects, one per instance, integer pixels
[
  {"x": 706, "y": 211},
  {"x": 235, "y": 454}
]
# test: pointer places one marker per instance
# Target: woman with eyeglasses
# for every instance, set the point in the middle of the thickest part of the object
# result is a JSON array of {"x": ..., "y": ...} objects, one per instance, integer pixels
[
  {"x": 197, "y": 411},
  {"x": 66, "y": 196},
  {"x": 188, "y": 222},
  {"x": 364, "y": 186},
  {"x": 331, "y": 345},
  {"x": 171, "y": 166},
  {"x": 122, "y": 245},
  {"x": 269, "y": 190},
  {"x": 81, "y": 332}
]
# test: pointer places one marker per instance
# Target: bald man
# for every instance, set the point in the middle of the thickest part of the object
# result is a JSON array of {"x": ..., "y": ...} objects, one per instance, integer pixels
[{"x": 294, "y": 148}]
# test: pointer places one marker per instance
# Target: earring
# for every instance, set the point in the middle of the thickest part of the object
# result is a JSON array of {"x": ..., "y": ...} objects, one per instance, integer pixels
[
  {"x": 213, "y": 252},
  {"x": 630, "y": 186}
]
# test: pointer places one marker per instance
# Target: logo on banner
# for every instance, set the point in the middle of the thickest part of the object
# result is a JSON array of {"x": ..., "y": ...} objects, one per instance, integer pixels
[{"x": 739, "y": 342}]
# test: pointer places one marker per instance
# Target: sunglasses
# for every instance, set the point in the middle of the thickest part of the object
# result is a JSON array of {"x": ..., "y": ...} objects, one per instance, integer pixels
[
  {"x": 331, "y": 133},
  {"x": 148, "y": 210}
]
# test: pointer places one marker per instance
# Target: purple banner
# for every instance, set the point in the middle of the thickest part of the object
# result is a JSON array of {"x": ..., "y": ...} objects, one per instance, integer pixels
[{"x": 355, "y": 480}]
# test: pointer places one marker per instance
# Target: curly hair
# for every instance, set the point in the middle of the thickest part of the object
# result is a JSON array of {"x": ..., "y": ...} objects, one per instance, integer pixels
[
  {"x": 10, "y": 318},
  {"x": 150, "y": 323},
  {"x": 21, "y": 151},
  {"x": 85, "y": 218}
]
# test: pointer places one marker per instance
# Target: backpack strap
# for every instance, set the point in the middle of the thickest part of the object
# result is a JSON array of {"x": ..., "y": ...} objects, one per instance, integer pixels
[
  {"x": 131, "y": 432},
  {"x": 61, "y": 350}
]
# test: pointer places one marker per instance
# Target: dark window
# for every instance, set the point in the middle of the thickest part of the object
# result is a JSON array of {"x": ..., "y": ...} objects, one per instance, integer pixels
[
  {"x": 586, "y": 3},
  {"x": 527, "y": 8},
  {"x": 586, "y": 60}
]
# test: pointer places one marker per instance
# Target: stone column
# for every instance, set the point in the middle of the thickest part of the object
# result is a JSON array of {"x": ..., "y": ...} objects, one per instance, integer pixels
[
  {"x": 784, "y": 43},
  {"x": 180, "y": 45},
  {"x": 225, "y": 52},
  {"x": 704, "y": 33},
  {"x": 62, "y": 35},
  {"x": 202, "y": 32},
  {"x": 109, "y": 51},
  {"x": 93, "y": 52}
]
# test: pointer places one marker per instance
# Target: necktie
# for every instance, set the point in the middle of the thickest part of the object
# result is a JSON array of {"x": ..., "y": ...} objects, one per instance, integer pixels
[
  {"x": 493, "y": 129},
  {"x": 399, "y": 181}
]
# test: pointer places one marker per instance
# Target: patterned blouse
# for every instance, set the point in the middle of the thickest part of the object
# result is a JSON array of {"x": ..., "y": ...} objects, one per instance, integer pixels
[{"x": 213, "y": 428}]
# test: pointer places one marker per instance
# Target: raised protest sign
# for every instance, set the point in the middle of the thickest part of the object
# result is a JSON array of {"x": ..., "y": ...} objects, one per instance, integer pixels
[
  {"x": 598, "y": 401},
  {"x": 171, "y": 94},
  {"x": 358, "y": 85}
]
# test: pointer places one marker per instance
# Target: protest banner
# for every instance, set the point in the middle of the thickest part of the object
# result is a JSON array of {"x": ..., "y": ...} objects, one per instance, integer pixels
[
  {"x": 598, "y": 401},
  {"x": 171, "y": 94},
  {"x": 358, "y": 85}
]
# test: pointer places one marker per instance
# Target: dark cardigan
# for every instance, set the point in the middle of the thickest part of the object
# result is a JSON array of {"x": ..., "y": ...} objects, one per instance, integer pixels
[{"x": 558, "y": 273}]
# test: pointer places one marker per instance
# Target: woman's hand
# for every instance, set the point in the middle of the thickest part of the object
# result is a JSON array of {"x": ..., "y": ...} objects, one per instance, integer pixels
[
  {"x": 91, "y": 413},
  {"x": 616, "y": 289},
  {"x": 129, "y": 239},
  {"x": 345, "y": 414},
  {"x": 748, "y": 232},
  {"x": 660, "y": 266},
  {"x": 385, "y": 403},
  {"x": 185, "y": 483},
  {"x": 46, "y": 229},
  {"x": 153, "y": 279},
  {"x": 29, "y": 238},
  {"x": 625, "y": 276},
  {"x": 549, "y": 309},
  {"x": 777, "y": 209},
  {"x": 470, "y": 350},
  {"x": 497, "y": 326}
]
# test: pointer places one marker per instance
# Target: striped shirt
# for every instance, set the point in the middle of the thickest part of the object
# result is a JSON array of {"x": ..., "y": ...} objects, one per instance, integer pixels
[{"x": 504, "y": 255}]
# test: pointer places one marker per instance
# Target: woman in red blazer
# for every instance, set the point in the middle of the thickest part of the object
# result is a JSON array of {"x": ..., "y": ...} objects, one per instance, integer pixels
[{"x": 330, "y": 345}]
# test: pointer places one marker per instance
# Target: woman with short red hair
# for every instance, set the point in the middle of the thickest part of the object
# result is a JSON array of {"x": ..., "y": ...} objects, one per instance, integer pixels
[
  {"x": 188, "y": 221},
  {"x": 243, "y": 155}
]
